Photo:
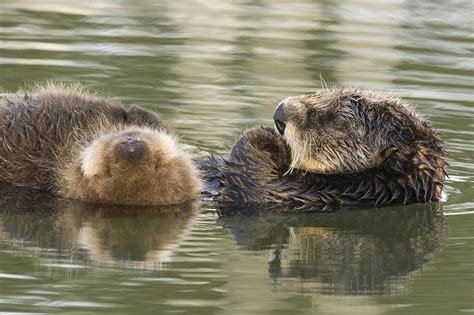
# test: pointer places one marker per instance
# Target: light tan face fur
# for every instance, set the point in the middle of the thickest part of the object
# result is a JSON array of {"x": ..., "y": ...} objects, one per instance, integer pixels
[
  {"x": 157, "y": 171},
  {"x": 96, "y": 157},
  {"x": 326, "y": 157}
]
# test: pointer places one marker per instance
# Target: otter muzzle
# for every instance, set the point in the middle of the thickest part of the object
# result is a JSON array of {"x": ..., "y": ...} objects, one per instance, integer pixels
[{"x": 131, "y": 151}]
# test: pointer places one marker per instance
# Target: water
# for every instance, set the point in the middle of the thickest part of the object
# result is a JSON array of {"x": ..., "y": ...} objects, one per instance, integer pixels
[{"x": 213, "y": 68}]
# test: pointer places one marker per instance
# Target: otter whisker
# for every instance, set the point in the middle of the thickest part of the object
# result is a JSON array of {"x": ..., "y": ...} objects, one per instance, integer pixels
[{"x": 323, "y": 82}]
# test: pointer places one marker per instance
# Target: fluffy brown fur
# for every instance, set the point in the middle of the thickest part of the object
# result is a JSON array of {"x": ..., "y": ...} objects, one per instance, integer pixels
[
  {"x": 335, "y": 147},
  {"x": 78, "y": 145}
]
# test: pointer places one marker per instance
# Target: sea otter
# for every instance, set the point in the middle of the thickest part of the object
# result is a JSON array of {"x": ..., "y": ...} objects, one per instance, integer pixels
[
  {"x": 341, "y": 147},
  {"x": 78, "y": 145}
]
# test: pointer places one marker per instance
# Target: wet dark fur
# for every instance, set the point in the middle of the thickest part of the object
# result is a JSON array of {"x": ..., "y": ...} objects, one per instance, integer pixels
[{"x": 410, "y": 164}]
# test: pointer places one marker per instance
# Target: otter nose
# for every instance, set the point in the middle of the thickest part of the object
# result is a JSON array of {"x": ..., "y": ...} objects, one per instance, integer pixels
[
  {"x": 278, "y": 118},
  {"x": 131, "y": 146},
  {"x": 131, "y": 150}
]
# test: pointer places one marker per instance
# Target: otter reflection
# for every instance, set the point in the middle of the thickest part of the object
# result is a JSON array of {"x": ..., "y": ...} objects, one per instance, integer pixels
[
  {"x": 357, "y": 252},
  {"x": 105, "y": 235}
]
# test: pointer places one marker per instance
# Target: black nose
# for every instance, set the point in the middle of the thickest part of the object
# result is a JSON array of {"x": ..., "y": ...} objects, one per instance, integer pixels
[{"x": 278, "y": 118}]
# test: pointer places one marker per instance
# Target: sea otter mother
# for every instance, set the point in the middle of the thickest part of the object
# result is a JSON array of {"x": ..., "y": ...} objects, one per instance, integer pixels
[{"x": 342, "y": 147}]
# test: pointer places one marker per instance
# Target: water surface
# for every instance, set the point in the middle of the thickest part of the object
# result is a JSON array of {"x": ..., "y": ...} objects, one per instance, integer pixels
[{"x": 213, "y": 68}]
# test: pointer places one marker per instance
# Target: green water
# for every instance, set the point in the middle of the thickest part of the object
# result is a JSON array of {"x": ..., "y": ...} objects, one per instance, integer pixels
[{"x": 213, "y": 68}]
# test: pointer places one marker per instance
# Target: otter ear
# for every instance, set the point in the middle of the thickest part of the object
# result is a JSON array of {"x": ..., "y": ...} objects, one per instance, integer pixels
[
  {"x": 385, "y": 154},
  {"x": 136, "y": 115}
]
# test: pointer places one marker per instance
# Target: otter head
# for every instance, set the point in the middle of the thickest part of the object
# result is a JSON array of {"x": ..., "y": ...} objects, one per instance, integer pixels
[
  {"x": 351, "y": 131},
  {"x": 136, "y": 166},
  {"x": 128, "y": 151}
]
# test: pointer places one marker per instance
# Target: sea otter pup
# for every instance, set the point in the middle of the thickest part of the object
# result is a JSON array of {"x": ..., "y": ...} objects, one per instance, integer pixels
[
  {"x": 343, "y": 147},
  {"x": 81, "y": 146}
]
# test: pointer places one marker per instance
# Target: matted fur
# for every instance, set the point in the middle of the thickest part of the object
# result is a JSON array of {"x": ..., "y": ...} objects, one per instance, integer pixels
[
  {"x": 65, "y": 139},
  {"x": 339, "y": 147}
]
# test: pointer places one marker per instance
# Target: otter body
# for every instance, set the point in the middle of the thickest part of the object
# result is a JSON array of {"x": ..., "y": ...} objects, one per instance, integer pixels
[
  {"x": 77, "y": 145},
  {"x": 330, "y": 149}
]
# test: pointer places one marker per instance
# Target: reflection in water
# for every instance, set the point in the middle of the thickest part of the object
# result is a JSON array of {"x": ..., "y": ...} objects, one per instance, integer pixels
[
  {"x": 104, "y": 235},
  {"x": 358, "y": 252}
]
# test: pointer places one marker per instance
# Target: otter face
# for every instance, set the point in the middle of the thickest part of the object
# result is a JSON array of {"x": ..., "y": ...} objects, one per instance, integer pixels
[
  {"x": 127, "y": 151},
  {"x": 136, "y": 166},
  {"x": 340, "y": 131}
]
